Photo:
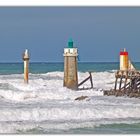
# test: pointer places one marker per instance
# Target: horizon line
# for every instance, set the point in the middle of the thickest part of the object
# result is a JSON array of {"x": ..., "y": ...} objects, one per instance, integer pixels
[{"x": 63, "y": 62}]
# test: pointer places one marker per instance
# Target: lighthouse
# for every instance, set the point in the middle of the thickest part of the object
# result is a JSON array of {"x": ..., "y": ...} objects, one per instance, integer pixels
[
  {"x": 70, "y": 66},
  {"x": 124, "y": 60}
]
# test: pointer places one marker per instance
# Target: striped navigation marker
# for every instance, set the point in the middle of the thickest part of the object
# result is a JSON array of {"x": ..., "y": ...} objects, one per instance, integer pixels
[{"x": 26, "y": 65}]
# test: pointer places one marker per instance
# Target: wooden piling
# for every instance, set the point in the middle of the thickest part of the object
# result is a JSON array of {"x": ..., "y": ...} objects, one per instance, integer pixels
[
  {"x": 116, "y": 84},
  {"x": 131, "y": 81}
]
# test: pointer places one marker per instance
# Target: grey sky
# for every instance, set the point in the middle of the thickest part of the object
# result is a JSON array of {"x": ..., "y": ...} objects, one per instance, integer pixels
[{"x": 98, "y": 32}]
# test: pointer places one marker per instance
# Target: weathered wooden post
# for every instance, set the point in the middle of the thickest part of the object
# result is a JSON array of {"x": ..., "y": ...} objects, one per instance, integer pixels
[
  {"x": 125, "y": 82},
  {"x": 26, "y": 66},
  {"x": 70, "y": 66},
  {"x": 116, "y": 83}
]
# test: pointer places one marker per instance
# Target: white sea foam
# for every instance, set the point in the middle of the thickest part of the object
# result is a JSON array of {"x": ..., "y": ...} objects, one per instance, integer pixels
[{"x": 45, "y": 99}]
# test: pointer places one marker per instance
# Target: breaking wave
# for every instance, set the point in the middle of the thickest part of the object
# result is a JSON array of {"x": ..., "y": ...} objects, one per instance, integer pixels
[{"x": 45, "y": 104}]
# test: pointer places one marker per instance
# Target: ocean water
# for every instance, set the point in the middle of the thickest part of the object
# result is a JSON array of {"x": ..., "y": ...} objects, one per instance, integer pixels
[{"x": 44, "y": 106}]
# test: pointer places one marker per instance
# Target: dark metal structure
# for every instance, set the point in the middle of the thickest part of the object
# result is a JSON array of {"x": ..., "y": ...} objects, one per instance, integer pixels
[
  {"x": 127, "y": 83},
  {"x": 88, "y": 78}
]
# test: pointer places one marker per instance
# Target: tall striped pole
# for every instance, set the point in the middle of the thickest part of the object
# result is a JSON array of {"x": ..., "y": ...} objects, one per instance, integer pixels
[{"x": 26, "y": 66}]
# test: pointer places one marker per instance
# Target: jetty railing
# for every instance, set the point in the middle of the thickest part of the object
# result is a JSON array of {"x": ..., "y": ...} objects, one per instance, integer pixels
[{"x": 127, "y": 83}]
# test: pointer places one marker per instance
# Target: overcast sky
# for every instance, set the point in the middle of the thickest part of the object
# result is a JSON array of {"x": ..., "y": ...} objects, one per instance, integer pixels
[{"x": 98, "y": 32}]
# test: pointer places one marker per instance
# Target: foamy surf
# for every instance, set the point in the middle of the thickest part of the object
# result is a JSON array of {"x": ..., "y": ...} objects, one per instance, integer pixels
[{"x": 45, "y": 105}]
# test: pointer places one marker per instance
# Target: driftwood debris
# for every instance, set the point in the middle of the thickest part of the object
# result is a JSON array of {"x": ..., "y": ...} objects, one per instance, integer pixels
[{"x": 127, "y": 83}]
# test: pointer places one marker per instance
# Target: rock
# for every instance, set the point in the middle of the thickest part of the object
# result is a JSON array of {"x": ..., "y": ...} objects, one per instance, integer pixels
[{"x": 81, "y": 98}]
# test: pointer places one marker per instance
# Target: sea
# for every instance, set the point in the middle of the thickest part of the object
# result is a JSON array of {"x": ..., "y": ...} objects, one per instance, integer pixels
[{"x": 44, "y": 106}]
